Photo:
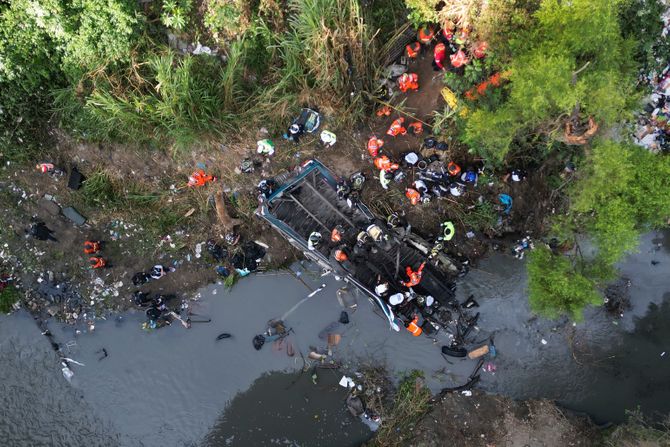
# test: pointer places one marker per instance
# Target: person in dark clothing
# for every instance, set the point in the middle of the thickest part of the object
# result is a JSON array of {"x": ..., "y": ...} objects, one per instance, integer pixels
[{"x": 41, "y": 232}]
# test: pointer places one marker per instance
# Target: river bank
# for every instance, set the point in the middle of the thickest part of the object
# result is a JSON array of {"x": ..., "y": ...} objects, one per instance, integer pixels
[{"x": 168, "y": 387}]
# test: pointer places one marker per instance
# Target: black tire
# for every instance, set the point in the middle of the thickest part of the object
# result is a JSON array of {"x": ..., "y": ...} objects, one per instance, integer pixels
[{"x": 454, "y": 351}]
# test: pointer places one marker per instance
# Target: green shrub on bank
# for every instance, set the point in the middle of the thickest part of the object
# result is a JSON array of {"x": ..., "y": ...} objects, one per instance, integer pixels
[
  {"x": 621, "y": 193},
  {"x": 556, "y": 288},
  {"x": 568, "y": 59}
]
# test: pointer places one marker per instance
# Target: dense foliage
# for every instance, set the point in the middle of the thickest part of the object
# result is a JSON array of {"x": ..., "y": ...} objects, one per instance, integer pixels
[{"x": 556, "y": 288}]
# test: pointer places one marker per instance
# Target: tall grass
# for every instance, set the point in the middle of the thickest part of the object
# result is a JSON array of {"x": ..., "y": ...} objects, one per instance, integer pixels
[{"x": 327, "y": 59}]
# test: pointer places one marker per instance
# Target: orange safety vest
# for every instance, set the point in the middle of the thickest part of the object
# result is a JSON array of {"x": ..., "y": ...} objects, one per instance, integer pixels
[
  {"x": 425, "y": 34},
  {"x": 340, "y": 256},
  {"x": 408, "y": 81},
  {"x": 414, "y": 277},
  {"x": 374, "y": 144},
  {"x": 440, "y": 54},
  {"x": 384, "y": 111},
  {"x": 199, "y": 178},
  {"x": 448, "y": 33},
  {"x": 416, "y": 127},
  {"x": 91, "y": 247},
  {"x": 414, "y": 328},
  {"x": 335, "y": 235},
  {"x": 453, "y": 169},
  {"x": 383, "y": 163},
  {"x": 413, "y": 50},
  {"x": 397, "y": 128},
  {"x": 413, "y": 195},
  {"x": 459, "y": 59},
  {"x": 97, "y": 262}
]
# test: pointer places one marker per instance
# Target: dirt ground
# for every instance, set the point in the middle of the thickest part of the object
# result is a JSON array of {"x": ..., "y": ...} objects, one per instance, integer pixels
[
  {"x": 484, "y": 420},
  {"x": 133, "y": 242}
]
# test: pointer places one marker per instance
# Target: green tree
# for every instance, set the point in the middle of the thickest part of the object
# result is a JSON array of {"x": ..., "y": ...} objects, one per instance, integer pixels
[
  {"x": 621, "y": 192},
  {"x": 556, "y": 288},
  {"x": 572, "y": 58}
]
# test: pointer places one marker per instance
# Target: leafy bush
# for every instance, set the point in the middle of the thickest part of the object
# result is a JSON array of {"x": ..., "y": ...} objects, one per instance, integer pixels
[
  {"x": 226, "y": 18},
  {"x": 175, "y": 13},
  {"x": 556, "y": 288},
  {"x": 566, "y": 58}
]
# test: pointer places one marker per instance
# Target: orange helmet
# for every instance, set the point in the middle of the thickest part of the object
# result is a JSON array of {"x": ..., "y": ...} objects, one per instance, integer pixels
[
  {"x": 413, "y": 195},
  {"x": 335, "y": 235},
  {"x": 453, "y": 169}
]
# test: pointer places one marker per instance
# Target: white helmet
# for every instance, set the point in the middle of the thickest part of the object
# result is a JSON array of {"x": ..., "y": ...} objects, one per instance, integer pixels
[{"x": 396, "y": 299}]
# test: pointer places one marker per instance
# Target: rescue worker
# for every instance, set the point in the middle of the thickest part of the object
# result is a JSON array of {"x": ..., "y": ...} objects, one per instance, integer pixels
[
  {"x": 448, "y": 231},
  {"x": 328, "y": 138},
  {"x": 439, "y": 56},
  {"x": 453, "y": 169},
  {"x": 414, "y": 276},
  {"x": 375, "y": 232},
  {"x": 517, "y": 175},
  {"x": 91, "y": 247},
  {"x": 340, "y": 255},
  {"x": 265, "y": 147},
  {"x": 408, "y": 81},
  {"x": 413, "y": 327},
  {"x": 413, "y": 49},
  {"x": 336, "y": 234},
  {"x": 413, "y": 195},
  {"x": 385, "y": 178},
  {"x": 314, "y": 240},
  {"x": 199, "y": 178},
  {"x": 415, "y": 128},
  {"x": 294, "y": 132},
  {"x": 383, "y": 163},
  {"x": 374, "y": 145},
  {"x": 397, "y": 128},
  {"x": 448, "y": 32},
  {"x": 425, "y": 34},
  {"x": 97, "y": 262},
  {"x": 459, "y": 59}
]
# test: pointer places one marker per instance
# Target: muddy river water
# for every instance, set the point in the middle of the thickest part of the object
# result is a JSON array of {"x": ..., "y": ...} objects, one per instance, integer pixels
[{"x": 177, "y": 387}]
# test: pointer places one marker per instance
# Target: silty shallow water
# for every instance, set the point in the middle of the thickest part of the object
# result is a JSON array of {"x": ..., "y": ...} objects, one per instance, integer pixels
[{"x": 169, "y": 387}]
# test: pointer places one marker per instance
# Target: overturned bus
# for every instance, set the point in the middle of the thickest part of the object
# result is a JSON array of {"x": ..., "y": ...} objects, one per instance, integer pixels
[{"x": 307, "y": 202}]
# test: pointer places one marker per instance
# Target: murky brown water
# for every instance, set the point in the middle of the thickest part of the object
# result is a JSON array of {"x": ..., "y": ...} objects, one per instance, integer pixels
[{"x": 170, "y": 387}]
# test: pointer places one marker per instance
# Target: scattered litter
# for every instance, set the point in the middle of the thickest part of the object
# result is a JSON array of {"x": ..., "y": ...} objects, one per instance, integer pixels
[
  {"x": 347, "y": 382},
  {"x": 476, "y": 353},
  {"x": 544, "y": 342},
  {"x": 466, "y": 393}
]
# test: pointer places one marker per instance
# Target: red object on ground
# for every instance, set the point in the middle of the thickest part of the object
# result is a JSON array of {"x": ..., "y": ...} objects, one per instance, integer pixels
[
  {"x": 416, "y": 128},
  {"x": 374, "y": 144},
  {"x": 97, "y": 262},
  {"x": 414, "y": 276},
  {"x": 413, "y": 195},
  {"x": 91, "y": 247},
  {"x": 199, "y": 178},
  {"x": 397, "y": 128}
]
